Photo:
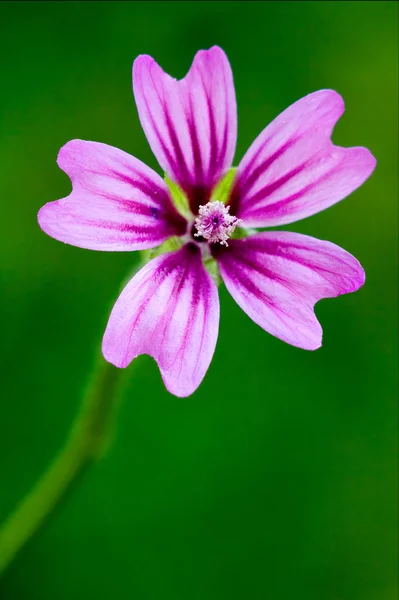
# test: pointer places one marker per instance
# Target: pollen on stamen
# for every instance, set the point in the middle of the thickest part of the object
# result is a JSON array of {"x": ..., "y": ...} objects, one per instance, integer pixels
[{"x": 215, "y": 223}]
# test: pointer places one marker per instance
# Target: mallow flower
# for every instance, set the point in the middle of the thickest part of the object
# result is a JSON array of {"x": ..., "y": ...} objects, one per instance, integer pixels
[{"x": 170, "y": 308}]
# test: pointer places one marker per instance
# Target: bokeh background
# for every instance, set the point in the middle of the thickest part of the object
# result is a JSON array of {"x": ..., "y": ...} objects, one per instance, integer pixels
[{"x": 277, "y": 479}]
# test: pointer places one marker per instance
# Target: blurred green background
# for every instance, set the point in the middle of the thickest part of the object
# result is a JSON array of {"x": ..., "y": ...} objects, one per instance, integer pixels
[{"x": 277, "y": 479}]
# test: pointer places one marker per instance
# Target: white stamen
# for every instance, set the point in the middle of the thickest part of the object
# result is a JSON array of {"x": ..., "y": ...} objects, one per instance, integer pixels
[{"x": 215, "y": 223}]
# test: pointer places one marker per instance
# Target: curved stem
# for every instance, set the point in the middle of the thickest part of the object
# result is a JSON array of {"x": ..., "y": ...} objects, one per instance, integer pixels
[{"x": 86, "y": 441}]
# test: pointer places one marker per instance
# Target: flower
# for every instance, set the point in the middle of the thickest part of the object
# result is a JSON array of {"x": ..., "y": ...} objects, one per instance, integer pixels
[{"x": 170, "y": 308}]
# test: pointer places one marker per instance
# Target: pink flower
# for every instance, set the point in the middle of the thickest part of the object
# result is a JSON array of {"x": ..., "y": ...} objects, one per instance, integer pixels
[{"x": 170, "y": 309}]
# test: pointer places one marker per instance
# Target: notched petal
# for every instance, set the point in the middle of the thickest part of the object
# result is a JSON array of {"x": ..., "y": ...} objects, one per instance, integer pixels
[
  {"x": 277, "y": 277},
  {"x": 293, "y": 170},
  {"x": 191, "y": 124},
  {"x": 169, "y": 310},
  {"x": 117, "y": 202}
]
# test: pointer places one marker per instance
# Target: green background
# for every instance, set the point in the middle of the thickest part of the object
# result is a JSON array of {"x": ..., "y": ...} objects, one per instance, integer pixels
[{"x": 277, "y": 478}]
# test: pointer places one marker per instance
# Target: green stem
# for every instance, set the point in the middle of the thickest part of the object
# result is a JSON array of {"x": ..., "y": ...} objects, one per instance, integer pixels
[
  {"x": 85, "y": 443},
  {"x": 89, "y": 438}
]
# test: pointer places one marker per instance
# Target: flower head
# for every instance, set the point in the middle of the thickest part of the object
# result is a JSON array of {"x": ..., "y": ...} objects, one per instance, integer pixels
[{"x": 170, "y": 308}]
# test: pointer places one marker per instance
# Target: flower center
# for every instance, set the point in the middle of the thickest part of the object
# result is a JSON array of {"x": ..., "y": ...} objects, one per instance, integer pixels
[{"x": 214, "y": 223}]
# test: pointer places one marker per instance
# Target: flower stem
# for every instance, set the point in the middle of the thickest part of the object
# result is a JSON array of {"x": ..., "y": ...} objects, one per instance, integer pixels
[{"x": 89, "y": 435}]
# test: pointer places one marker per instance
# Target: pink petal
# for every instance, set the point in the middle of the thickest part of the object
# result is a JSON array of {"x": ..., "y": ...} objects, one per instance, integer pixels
[
  {"x": 117, "y": 202},
  {"x": 190, "y": 124},
  {"x": 293, "y": 170},
  {"x": 169, "y": 310},
  {"x": 276, "y": 277}
]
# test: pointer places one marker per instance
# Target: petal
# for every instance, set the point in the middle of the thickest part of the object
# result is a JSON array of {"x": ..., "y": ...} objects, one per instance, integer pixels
[
  {"x": 117, "y": 202},
  {"x": 276, "y": 277},
  {"x": 293, "y": 170},
  {"x": 191, "y": 124},
  {"x": 169, "y": 310}
]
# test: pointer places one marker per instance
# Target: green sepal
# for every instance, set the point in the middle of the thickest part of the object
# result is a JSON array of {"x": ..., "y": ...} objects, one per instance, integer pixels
[
  {"x": 212, "y": 268},
  {"x": 179, "y": 198},
  {"x": 171, "y": 244},
  {"x": 242, "y": 232},
  {"x": 222, "y": 189},
  {"x": 220, "y": 192}
]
